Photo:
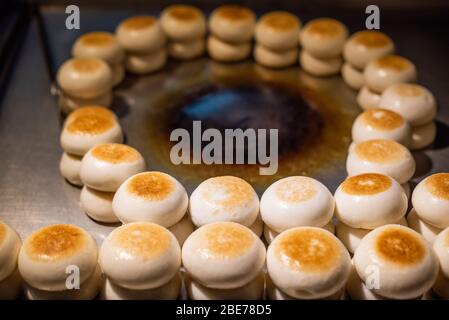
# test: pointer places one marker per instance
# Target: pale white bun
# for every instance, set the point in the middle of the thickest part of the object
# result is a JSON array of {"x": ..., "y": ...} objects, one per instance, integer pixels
[
  {"x": 441, "y": 248},
  {"x": 414, "y": 102},
  {"x": 357, "y": 290},
  {"x": 370, "y": 200},
  {"x": 250, "y": 291},
  {"x": 319, "y": 67},
  {"x": 168, "y": 291},
  {"x": 10, "y": 244},
  {"x": 352, "y": 77},
  {"x": 257, "y": 226},
  {"x": 323, "y": 38},
  {"x": 428, "y": 231},
  {"x": 98, "y": 205},
  {"x": 278, "y": 31},
  {"x": 226, "y": 51},
  {"x": 381, "y": 156},
  {"x": 441, "y": 287},
  {"x": 430, "y": 200},
  {"x": 423, "y": 136},
  {"x": 99, "y": 44},
  {"x": 140, "y": 255},
  {"x": 399, "y": 259},
  {"x": 69, "y": 166},
  {"x": 183, "y": 22},
  {"x": 232, "y": 23},
  {"x": 225, "y": 198},
  {"x": 68, "y": 103},
  {"x": 365, "y": 46},
  {"x": 88, "y": 290},
  {"x": 107, "y": 165},
  {"x": 140, "y": 34},
  {"x": 186, "y": 50},
  {"x": 296, "y": 201},
  {"x": 47, "y": 252},
  {"x": 308, "y": 263},
  {"x": 381, "y": 73},
  {"x": 87, "y": 127},
  {"x": 85, "y": 77},
  {"x": 381, "y": 124},
  {"x": 269, "y": 234},
  {"x": 223, "y": 255},
  {"x": 151, "y": 196},
  {"x": 11, "y": 287},
  {"x": 351, "y": 237},
  {"x": 275, "y": 59},
  {"x": 146, "y": 63},
  {"x": 182, "y": 229},
  {"x": 368, "y": 99},
  {"x": 118, "y": 73}
]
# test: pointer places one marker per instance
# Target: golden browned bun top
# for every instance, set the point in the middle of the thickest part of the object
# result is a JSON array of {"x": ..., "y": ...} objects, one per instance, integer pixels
[
  {"x": 308, "y": 250},
  {"x": 92, "y": 123},
  {"x": 144, "y": 240},
  {"x": 399, "y": 246},
  {"x": 408, "y": 90},
  {"x": 184, "y": 13},
  {"x": 86, "y": 65},
  {"x": 393, "y": 62},
  {"x": 296, "y": 189},
  {"x": 115, "y": 153},
  {"x": 438, "y": 185},
  {"x": 98, "y": 39},
  {"x": 226, "y": 240},
  {"x": 371, "y": 39},
  {"x": 325, "y": 28},
  {"x": 234, "y": 12},
  {"x": 139, "y": 22},
  {"x": 280, "y": 21},
  {"x": 155, "y": 186},
  {"x": 366, "y": 184},
  {"x": 56, "y": 242},
  {"x": 382, "y": 119},
  {"x": 3, "y": 232},
  {"x": 237, "y": 190},
  {"x": 380, "y": 151}
]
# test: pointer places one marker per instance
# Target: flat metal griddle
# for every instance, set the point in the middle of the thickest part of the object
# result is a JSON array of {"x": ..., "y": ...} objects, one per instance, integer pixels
[{"x": 33, "y": 193}]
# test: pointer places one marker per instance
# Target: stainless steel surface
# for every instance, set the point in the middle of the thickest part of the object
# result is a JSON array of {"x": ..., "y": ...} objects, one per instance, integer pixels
[{"x": 32, "y": 192}]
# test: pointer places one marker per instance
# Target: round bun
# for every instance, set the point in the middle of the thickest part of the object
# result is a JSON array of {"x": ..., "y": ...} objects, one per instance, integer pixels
[
  {"x": 232, "y": 23},
  {"x": 225, "y": 198},
  {"x": 251, "y": 291},
  {"x": 383, "y": 72},
  {"x": 365, "y": 46},
  {"x": 47, "y": 252},
  {"x": 296, "y": 201},
  {"x": 146, "y": 63},
  {"x": 87, "y": 127},
  {"x": 223, "y": 255},
  {"x": 88, "y": 290},
  {"x": 370, "y": 200},
  {"x": 381, "y": 124},
  {"x": 352, "y": 77},
  {"x": 99, "y": 44},
  {"x": 169, "y": 291},
  {"x": 10, "y": 244},
  {"x": 323, "y": 38},
  {"x": 431, "y": 200},
  {"x": 183, "y": 22},
  {"x": 278, "y": 30},
  {"x": 85, "y": 77},
  {"x": 414, "y": 102},
  {"x": 106, "y": 166},
  {"x": 441, "y": 248},
  {"x": 186, "y": 50},
  {"x": 319, "y": 67},
  {"x": 69, "y": 166},
  {"x": 423, "y": 136},
  {"x": 68, "y": 103},
  {"x": 381, "y": 156},
  {"x": 140, "y": 34},
  {"x": 275, "y": 59},
  {"x": 140, "y": 255},
  {"x": 308, "y": 263},
  {"x": 227, "y": 52},
  {"x": 368, "y": 99},
  {"x": 403, "y": 262},
  {"x": 182, "y": 229},
  {"x": 151, "y": 196},
  {"x": 98, "y": 205},
  {"x": 428, "y": 231}
]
